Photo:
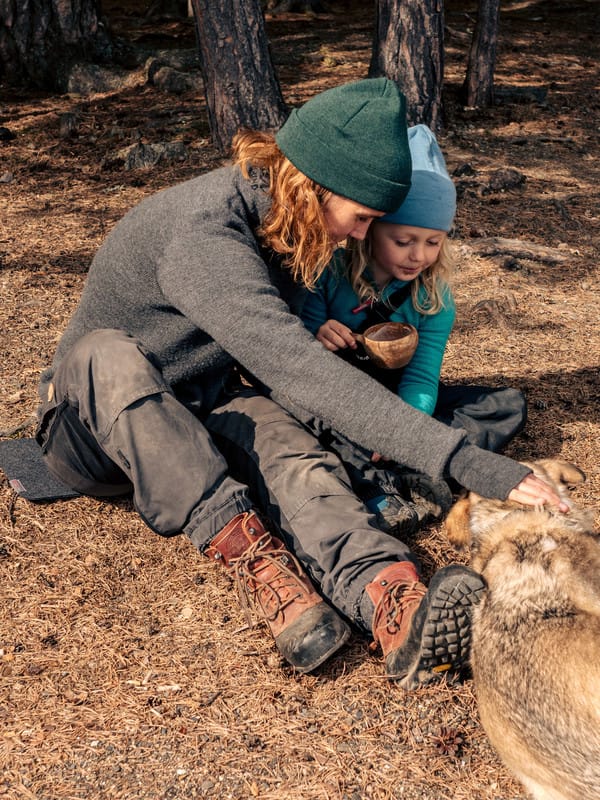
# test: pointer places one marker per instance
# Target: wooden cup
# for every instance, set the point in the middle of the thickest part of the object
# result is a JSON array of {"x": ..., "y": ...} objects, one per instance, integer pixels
[{"x": 390, "y": 345}]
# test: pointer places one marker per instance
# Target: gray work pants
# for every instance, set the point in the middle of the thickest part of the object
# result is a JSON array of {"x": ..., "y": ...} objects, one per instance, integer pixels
[
  {"x": 306, "y": 491},
  {"x": 111, "y": 424}
]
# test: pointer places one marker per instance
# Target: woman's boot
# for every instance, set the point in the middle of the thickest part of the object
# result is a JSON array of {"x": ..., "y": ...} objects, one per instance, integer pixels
[
  {"x": 271, "y": 582},
  {"x": 423, "y": 632}
]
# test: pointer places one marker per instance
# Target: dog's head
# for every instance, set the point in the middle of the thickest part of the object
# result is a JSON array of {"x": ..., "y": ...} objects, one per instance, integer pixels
[
  {"x": 472, "y": 516},
  {"x": 533, "y": 558}
]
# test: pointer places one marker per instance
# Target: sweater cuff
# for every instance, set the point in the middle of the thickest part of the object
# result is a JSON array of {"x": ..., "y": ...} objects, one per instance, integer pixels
[{"x": 486, "y": 473}]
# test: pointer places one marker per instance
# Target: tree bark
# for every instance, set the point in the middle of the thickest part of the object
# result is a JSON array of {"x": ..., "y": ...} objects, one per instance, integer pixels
[
  {"x": 40, "y": 39},
  {"x": 240, "y": 84},
  {"x": 408, "y": 47},
  {"x": 479, "y": 82}
]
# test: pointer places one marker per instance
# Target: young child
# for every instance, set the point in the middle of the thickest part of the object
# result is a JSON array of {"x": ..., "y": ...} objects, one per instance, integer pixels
[{"x": 400, "y": 272}]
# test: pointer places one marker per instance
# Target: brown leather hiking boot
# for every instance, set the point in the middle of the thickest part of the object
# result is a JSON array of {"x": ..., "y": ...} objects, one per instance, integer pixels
[
  {"x": 272, "y": 583},
  {"x": 423, "y": 632}
]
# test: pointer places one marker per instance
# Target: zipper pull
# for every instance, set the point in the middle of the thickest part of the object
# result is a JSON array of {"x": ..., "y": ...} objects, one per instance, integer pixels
[{"x": 363, "y": 306}]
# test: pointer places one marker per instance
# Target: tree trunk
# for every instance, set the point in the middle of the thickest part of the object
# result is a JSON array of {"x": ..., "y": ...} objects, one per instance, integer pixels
[
  {"x": 479, "y": 82},
  {"x": 40, "y": 39},
  {"x": 408, "y": 47},
  {"x": 241, "y": 88}
]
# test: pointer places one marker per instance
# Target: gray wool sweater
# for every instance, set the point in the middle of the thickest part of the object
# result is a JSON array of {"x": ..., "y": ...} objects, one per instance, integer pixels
[{"x": 183, "y": 272}]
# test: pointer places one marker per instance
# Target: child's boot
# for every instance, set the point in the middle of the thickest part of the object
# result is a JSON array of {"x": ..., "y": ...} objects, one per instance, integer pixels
[
  {"x": 405, "y": 500},
  {"x": 429, "y": 498},
  {"x": 271, "y": 581},
  {"x": 423, "y": 632},
  {"x": 394, "y": 514}
]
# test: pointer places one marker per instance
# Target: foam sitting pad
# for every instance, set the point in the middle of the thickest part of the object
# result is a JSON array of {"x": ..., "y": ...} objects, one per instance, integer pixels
[{"x": 22, "y": 463}]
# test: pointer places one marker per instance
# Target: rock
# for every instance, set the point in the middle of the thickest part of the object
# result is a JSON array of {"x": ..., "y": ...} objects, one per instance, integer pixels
[
  {"x": 6, "y": 135},
  {"x": 142, "y": 155},
  {"x": 172, "y": 81},
  {"x": 464, "y": 169},
  {"x": 85, "y": 79},
  {"x": 502, "y": 179},
  {"x": 520, "y": 94}
]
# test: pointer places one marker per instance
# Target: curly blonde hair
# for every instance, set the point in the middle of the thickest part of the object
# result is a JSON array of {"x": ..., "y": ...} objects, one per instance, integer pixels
[
  {"x": 294, "y": 225},
  {"x": 434, "y": 280}
]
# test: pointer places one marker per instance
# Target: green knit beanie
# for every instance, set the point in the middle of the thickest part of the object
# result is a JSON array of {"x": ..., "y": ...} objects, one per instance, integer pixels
[{"x": 352, "y": 140}]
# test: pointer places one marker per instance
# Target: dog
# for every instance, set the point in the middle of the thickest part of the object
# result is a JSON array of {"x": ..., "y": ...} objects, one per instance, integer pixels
[{"x": 536, "y": 635}]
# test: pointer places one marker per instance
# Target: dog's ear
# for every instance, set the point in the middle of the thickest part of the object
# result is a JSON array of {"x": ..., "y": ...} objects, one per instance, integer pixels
[
  {"x": 563, "y": 471},
  {"x": 570, "y": 474},
  {"x": 457, "y": 524}
]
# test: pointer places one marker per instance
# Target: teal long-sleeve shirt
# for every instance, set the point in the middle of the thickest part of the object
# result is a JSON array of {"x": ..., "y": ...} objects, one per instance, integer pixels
[{"x": 334, "y": 298}]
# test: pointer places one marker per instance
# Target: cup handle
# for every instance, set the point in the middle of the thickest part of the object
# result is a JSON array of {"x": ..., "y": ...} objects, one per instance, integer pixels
[{"x": 361, "y": 353}]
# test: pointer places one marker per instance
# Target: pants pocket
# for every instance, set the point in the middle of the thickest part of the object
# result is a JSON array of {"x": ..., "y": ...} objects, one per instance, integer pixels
[
  {"x": 50, "y": 416},
  {"x": 74, "y": 456}
]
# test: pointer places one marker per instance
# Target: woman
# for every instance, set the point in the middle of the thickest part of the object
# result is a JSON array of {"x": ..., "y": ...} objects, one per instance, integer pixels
[{"x": 212, "y": 273}]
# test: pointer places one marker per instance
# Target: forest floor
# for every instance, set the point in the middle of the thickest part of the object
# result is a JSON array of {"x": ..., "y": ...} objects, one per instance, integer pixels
[{"x": 126, "y": 666}]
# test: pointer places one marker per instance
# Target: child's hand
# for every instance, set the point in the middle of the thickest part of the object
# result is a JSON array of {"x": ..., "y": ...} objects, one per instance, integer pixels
[
  {"x": 334, "y": 335},
  {"x": 377, "y": 457}
]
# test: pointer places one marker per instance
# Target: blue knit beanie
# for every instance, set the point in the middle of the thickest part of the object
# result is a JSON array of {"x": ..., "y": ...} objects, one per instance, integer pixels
[
  {"x": 431, "y": 201},
  {"x": 352, "y": 140}
]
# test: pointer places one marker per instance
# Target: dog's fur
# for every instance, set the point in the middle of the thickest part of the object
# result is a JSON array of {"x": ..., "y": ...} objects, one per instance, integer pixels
[{"x": 536, "y": 635}]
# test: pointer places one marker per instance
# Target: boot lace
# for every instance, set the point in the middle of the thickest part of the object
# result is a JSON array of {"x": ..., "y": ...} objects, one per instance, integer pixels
[
  {"x": 395, "y": 602},
  {"x": 279, "y": 588}
]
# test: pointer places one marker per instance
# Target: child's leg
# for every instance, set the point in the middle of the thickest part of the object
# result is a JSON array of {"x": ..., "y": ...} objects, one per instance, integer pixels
[
  {"x": 374, "y": 485},
  {"x": 402, "y": 499},
  {"x": 491, "y": 417}
]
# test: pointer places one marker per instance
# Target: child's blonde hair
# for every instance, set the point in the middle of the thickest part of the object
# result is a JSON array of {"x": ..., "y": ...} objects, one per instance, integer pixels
[
  {"x": 434, "y": 280},
  {"x": 294, "y": 225}
]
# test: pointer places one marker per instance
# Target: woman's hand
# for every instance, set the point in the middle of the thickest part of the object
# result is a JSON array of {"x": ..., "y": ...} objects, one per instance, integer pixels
[
  {"x": 334, "y": 335},
  {"x": 533, "y": 491}
]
